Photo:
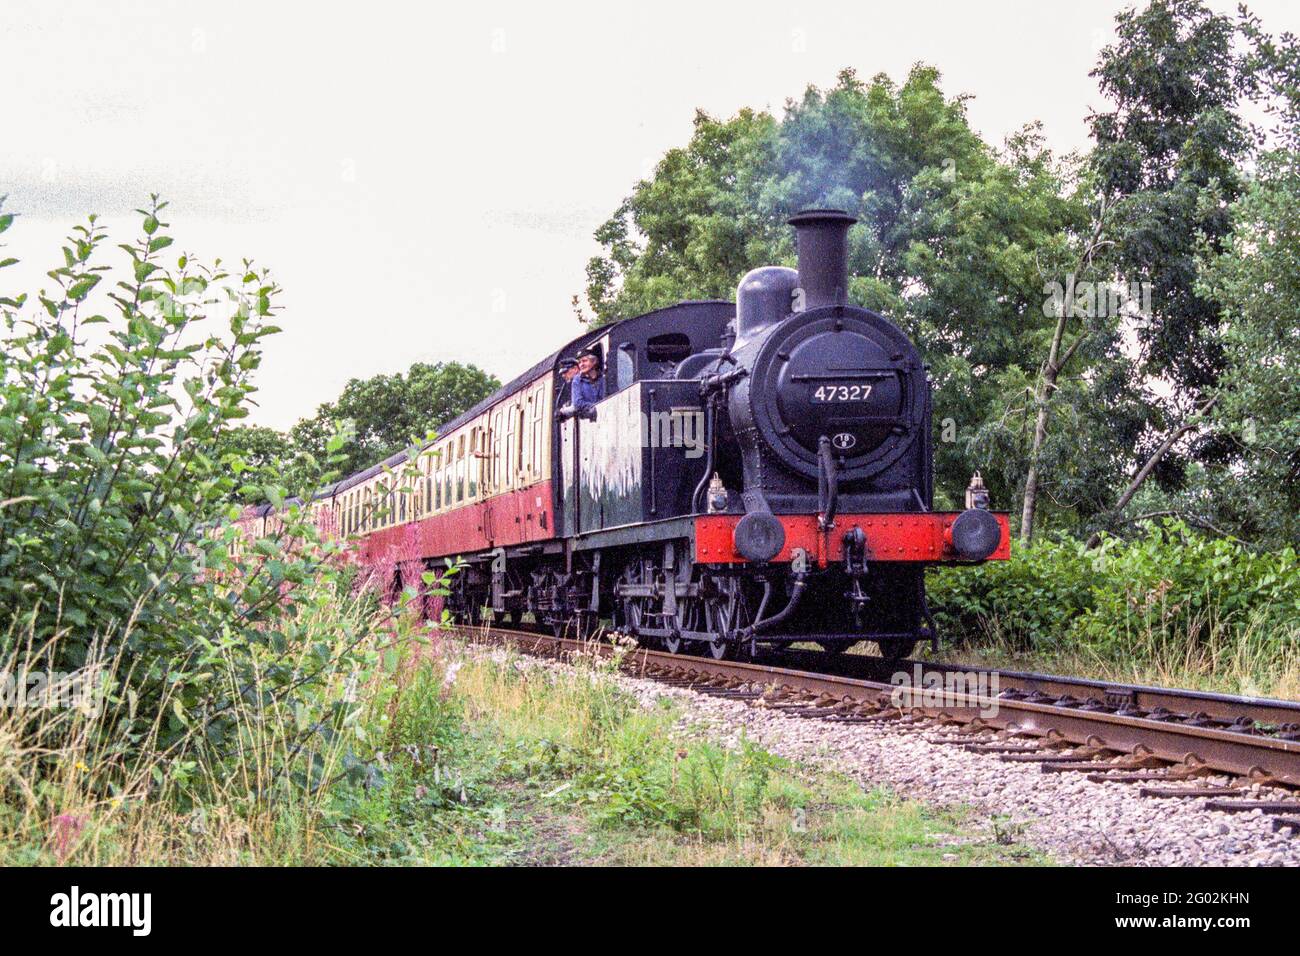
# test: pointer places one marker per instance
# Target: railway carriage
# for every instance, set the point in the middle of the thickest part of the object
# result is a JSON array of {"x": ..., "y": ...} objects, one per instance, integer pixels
[{"x": 759, "y": 473}]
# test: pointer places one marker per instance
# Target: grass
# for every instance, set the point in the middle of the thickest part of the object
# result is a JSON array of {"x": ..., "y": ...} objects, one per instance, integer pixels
[
  {"x": 538, "y": 765},
  {"x": 1229, "y": 660},
  {"x": 453, "y": 756},
  {"x": 70, "y": 793}
]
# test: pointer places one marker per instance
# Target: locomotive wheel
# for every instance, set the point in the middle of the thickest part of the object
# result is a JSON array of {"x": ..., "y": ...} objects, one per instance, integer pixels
[
  {"x": 689, "y": 609},
  {"x": 727, "y": 615},
  {"x": 633, "y": 611}
]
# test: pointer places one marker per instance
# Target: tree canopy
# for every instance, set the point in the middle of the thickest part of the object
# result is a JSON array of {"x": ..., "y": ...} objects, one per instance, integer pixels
[
  {"x": 954, "y": 242},
  {"x": 371, "y": 419},
  {"x": 385, "y": 413},
  {"x": 1091, "y": 321}
]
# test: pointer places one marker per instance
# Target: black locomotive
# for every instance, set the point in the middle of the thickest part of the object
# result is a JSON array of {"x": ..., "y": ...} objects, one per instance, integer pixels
[{"x": 757, "y": 474}]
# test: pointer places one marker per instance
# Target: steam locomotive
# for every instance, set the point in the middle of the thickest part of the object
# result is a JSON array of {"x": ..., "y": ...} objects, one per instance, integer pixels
[{"x": 758, "y": 474}]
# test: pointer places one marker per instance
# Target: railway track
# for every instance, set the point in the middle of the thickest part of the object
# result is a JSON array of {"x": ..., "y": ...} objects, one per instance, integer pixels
[{"x": 1170, "y": 743}]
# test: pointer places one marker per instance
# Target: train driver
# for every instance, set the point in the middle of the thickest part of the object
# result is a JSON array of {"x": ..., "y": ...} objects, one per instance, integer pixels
[{"x": 586, "y": 384}]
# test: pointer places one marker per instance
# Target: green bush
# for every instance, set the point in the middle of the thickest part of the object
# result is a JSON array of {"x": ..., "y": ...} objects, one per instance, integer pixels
[
  {"x": 116, "y": 532},
  {"x": 1032, "y": 599},
  {"x": 1169, "y": 582}
]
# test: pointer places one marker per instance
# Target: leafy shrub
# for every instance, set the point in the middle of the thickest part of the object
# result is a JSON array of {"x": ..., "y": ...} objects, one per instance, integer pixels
[
  {"x": 215, "y": 663},
  {"x": 1034, "y": 598},
  {"x": 1169, "y": 582}
]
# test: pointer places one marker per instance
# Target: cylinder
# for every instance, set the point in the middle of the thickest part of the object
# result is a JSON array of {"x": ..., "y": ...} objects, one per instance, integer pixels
[{"x": 822, "y": 236}]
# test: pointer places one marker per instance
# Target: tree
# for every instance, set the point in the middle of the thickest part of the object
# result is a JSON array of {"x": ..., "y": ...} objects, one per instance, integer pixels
[
  {"x": 1254, "y": 273},
  {"x": 124, "y": 579},
  {"x": 953, "y": 242},
  {"x": 700, "y": 222},
  {"x": 1173, "y": 137},
  {"x": 387, "y": 412},
  {"x": 249, "y": 455},
  {"x": 106, "y": 448}
]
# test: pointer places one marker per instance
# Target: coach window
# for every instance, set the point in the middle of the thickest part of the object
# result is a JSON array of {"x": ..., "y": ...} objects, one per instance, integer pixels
[
  {"x": 449, "y": 476},
  {"x": 539, "y": 428},
  {"x": 431, "y": 482},
  {"x": 519, "y": 444},
  {"x": 460, "y": 469},
  {"x": 525, "y": 431},
  {"x": 428, "y": 481},
  {"x": 448, "y": 453},
  {"x": 437, "y": 479},
  {"x": 498, "y": 466},
  {"x": 475, "y": 462},
  {"x": 512, "y": 447}
]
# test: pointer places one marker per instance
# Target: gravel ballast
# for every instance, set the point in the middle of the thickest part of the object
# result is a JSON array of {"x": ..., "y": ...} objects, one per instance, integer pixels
[{"x": 1074, "y": 820}]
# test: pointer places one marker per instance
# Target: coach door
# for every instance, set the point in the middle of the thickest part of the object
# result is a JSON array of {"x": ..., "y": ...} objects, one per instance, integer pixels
[{"x": 493, "y": 477}]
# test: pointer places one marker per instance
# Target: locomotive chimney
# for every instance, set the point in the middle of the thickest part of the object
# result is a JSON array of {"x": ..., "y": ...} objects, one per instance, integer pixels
[{"x": 823, "y": 255}]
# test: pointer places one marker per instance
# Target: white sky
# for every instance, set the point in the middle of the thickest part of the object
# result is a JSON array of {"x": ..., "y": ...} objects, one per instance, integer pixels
[{"x": 424, "y": 179}]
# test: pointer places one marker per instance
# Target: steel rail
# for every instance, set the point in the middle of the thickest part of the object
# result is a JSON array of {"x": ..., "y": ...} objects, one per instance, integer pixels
[
  {"x": 1265, "y": 712},
  {"x": 1265, "y": 758}
]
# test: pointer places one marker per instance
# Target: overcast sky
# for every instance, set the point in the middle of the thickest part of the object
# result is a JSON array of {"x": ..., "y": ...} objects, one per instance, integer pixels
[{"x": 424, "y": 179}]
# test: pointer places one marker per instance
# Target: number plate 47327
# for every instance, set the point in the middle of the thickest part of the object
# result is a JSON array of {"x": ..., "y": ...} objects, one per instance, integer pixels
[{"x": 841, "y": 393}]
